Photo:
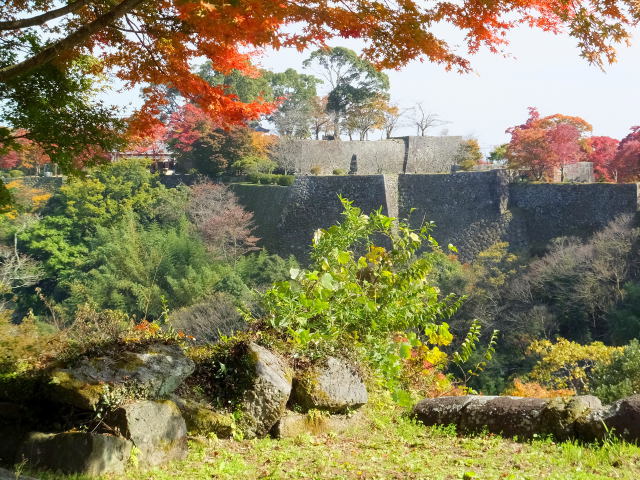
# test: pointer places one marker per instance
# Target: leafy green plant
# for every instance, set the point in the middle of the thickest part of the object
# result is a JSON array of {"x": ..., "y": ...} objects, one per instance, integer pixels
[
  {"x": 620, "y": 377},
  {"x": 359, "y": 298}
]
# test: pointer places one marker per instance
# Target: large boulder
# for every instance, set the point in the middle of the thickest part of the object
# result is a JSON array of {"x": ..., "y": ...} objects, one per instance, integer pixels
[
  {"x": 563, "y": 417},
  {"x": 621, "y": 419},
  {"x": 511, "y": 416},
  {"x": 202, "y": 419},
  {"x": 332, "y": 386},
  {"x": 82, "y": 453},
  {"x": 508, "y": 416},
  {"x": 265, "y": 402},
  {"x": 156, "y": 428},
  {"x": 153, "y": 372},
  {"x": 293, "y": 424}
]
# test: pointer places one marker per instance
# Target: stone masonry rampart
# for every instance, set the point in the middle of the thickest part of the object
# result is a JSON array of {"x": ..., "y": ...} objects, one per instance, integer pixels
[
  {"x": 471, "y": 210},
  {"x": 393, "y": 156}
]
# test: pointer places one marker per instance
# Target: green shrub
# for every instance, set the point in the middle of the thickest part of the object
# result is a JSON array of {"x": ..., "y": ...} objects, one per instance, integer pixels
[
  {"x": 286, "y": 180},
  {"x": 315, "y": 170},
  {"x": 357, "y": 296},
  {"x": 16, "y": 173},
  {"x": 266, "y": 179},
  {"x": 620, "y": 377},
  {"x": 339, "y": 171},
  {"x": 260, "y": 270},
  {"x": 253, "y": 178}
]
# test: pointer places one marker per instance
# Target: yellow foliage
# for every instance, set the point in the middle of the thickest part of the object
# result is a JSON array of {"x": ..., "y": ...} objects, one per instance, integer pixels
[
  {"x": 566, "y": 364},
  {"x": 262, "y": 143}
]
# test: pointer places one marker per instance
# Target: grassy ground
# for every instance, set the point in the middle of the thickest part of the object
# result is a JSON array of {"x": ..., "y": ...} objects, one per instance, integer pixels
[{"x": 390, "y": 446}]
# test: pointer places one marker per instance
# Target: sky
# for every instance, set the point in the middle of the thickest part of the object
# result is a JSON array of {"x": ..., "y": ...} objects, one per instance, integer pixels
[{"x": 543, "y": 71}]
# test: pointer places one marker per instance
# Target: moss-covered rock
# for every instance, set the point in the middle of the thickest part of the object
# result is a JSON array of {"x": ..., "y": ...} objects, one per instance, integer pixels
[
  {"x": 314, "y": 422},
  {"x": 156, "y": 429},
  {"x": 113, "y": 377},
  {"x": 76, "y": 453},
  {"x": 265, "y": 402},
  {"x": 201, "y": 419},
  {"x": 332, "y": 385}
]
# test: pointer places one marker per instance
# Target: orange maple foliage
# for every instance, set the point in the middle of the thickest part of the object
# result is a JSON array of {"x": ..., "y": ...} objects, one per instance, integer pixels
[
  {"x": 155, "y": 42},
  {"x": 535, "y": 390}
]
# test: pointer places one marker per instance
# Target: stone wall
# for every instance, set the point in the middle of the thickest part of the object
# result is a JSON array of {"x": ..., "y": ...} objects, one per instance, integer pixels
[
  {"x": 313, "y": 203},
  {"x": 550, "y": 210},
  {"x": 471, "y": 210},
  {"x": 431, "y": 154},
  {"x": 363, "y": 158},
  {"x": 393, "y": 156},
  {"x": 267, "y": 202}
]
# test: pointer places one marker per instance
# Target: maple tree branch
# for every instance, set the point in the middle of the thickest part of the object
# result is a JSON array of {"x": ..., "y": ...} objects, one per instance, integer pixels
[
  {"x": 43, "y": 18},
  {"x": 76, "y": 38}
]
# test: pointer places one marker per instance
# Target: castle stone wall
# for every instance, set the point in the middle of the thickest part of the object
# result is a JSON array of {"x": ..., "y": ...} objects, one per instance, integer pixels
[
  {"x": 431, "y": 154},
  {"x": 552, "y": 210},
  {"x": 471, "y": 210},
  {"x": 393, "y": 156},
  {"x": 267, "y": 202},
  {"x": 362, "y": 158},
  {"x": 313, "y": 203}
]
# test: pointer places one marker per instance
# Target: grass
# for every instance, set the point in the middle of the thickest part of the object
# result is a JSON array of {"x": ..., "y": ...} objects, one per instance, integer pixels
[{"x": 388, "y": 445}]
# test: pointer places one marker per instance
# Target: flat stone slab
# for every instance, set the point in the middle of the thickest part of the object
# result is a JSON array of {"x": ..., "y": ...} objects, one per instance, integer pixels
[
  {"x": 82, "y": 453},
  {"x": 152, "y": 373},
  {"x": 332, "y": 385}
]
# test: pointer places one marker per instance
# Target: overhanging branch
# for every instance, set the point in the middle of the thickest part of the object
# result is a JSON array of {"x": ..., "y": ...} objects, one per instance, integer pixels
[
  {"x": 73, "y": 40},
  {"x": 44, "y": 18}
]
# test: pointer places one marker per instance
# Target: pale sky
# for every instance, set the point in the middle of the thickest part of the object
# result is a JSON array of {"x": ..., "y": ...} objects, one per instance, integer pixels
[{"x": 544, "y": 71}]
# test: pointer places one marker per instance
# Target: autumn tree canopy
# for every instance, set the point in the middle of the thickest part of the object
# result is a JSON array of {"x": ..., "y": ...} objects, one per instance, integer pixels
[
  {"x": 154, "y": 43},
  {"x": 544, "y": 144}
]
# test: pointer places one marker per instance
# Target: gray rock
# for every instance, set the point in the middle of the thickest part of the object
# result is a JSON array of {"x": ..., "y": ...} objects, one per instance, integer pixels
[
  {"x": 620, "y": 419},
  {"x": 152, "y": 373},
  {"x": 508, "y": 416},
  {"x": 201, "y": 419},
  {"x": 83, "y": 453},
  {"x": 265, "y": 402},
  {"x": 512, "y": 416},
  {"x": 156, "y": 428},
  {"x": 333, "y": 386},
  {"x": 563, "y": 417},
  {"x": 441, "y": 410},
  {"x": 293, "y": 424}
]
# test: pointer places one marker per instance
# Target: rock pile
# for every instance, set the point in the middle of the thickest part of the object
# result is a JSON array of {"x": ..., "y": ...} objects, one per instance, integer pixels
[
  {"x": 579, "y": 417},
  {"x": 131, "y": 414}
]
